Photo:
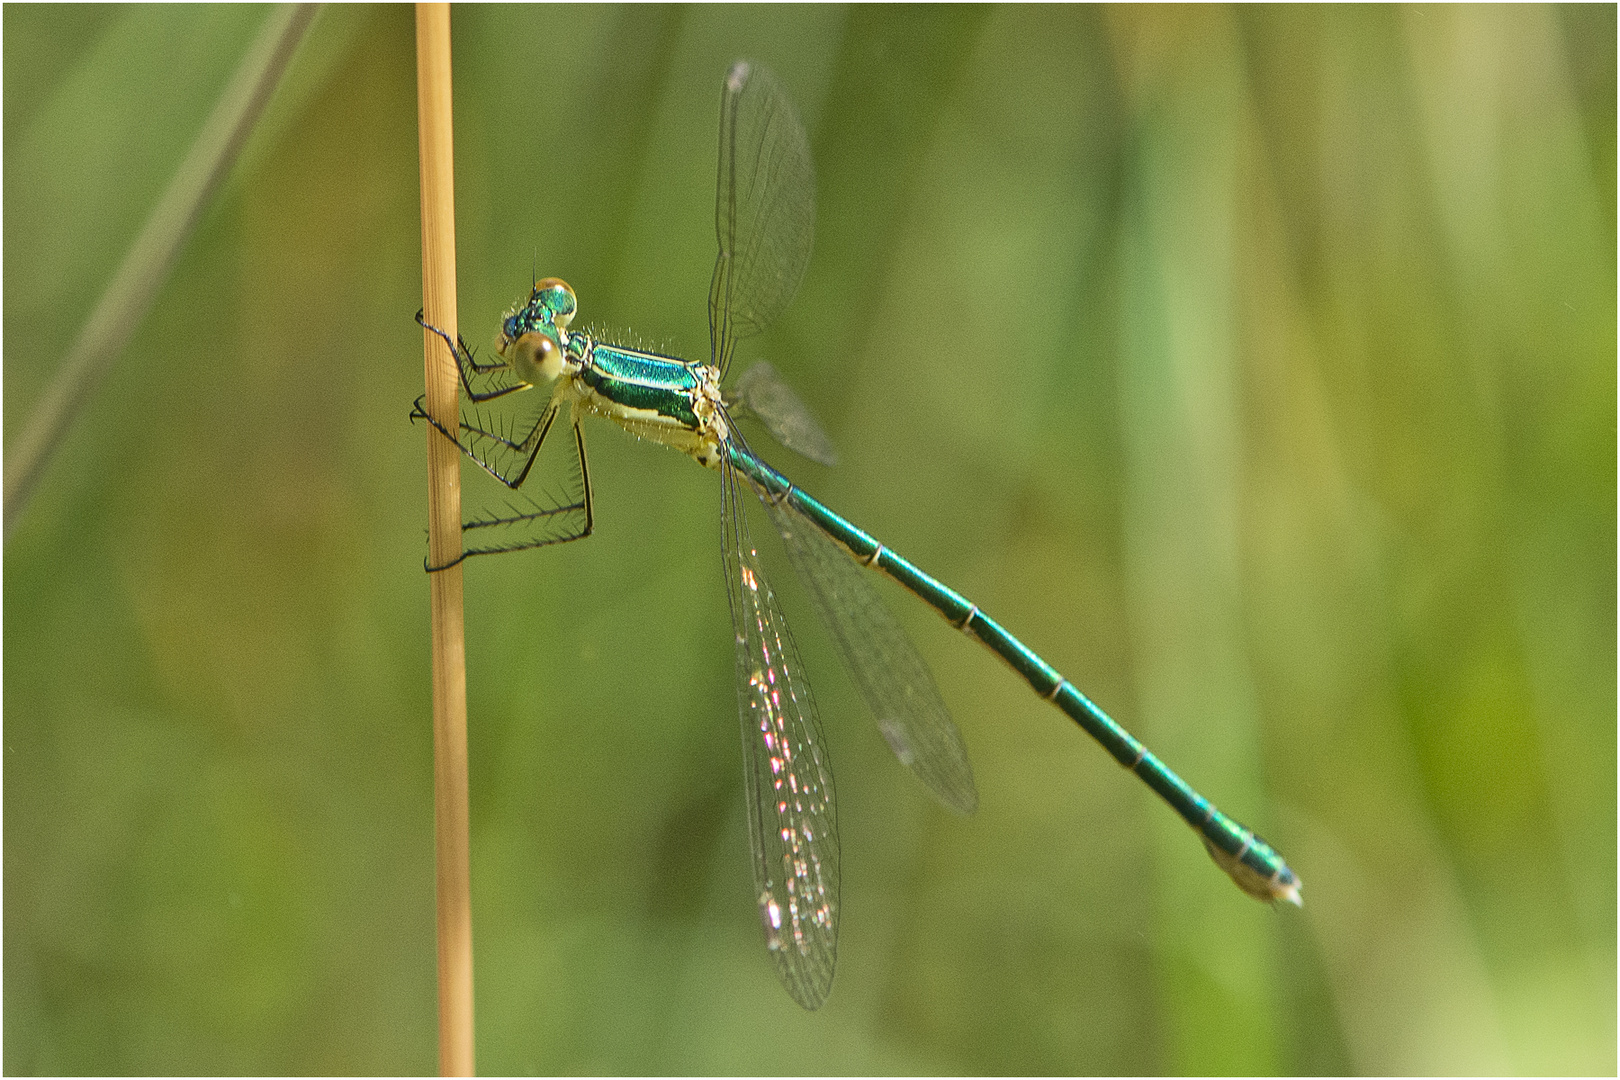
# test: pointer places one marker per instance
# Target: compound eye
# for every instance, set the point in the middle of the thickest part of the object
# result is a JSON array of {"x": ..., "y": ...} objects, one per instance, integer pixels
[
  {"x": 537, "y": 359},
  {"x": 557, "y": 298}
]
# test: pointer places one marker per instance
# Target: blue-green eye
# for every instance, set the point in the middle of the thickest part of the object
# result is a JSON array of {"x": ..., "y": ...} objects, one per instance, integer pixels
[{"x": 555, "y": 300}]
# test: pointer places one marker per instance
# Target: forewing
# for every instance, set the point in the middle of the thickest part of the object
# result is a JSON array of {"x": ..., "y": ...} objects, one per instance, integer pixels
[
  {"x": 892, "y": 677},
  {"x": 765, "y": 208},
  {"x": 792, "y": 823}
]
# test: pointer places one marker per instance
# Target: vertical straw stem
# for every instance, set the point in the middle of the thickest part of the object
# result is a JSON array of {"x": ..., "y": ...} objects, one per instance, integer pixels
[{"x": 450, "y": 814}]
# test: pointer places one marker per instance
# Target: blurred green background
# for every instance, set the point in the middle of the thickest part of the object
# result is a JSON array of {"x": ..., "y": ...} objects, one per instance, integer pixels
[{"x": 1257, "y": 367}]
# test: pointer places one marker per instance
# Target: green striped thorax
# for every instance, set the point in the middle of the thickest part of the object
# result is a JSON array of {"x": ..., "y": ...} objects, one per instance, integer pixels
[{"x": 662, "y": 398}]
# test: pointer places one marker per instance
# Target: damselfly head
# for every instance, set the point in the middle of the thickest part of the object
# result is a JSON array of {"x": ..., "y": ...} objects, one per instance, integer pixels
[
  {"x": 534, "y": 338},
  {"x": 550, "y": 307}
]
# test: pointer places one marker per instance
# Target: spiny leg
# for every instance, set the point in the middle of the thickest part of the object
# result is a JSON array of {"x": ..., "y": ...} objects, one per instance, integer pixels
[
  {"x": 469, "y": 368},
  {"x": 570, "y": 517},
  {"x": 495, "y": 452}
]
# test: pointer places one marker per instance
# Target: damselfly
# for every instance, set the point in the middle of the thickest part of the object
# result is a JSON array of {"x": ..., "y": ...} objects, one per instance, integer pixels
[{"x": 764, "y": 218}]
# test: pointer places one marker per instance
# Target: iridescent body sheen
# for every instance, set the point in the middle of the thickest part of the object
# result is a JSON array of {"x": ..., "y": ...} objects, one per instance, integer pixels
[{"x": 764, "y": 211}]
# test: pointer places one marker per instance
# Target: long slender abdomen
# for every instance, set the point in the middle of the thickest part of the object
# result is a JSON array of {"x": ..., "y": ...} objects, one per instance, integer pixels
[{"x": 1252, "y": 864}]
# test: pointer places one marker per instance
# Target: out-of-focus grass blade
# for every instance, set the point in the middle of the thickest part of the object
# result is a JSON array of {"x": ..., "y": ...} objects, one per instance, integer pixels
[{"x": 146, "y": 266}]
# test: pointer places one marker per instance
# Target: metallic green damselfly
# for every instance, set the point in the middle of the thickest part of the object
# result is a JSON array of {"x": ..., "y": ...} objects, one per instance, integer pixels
[{"x": 764, "y": 219}]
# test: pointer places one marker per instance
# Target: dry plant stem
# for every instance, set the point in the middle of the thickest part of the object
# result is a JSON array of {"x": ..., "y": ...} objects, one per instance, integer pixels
[
  {"x": 450, "y": 815},
  {"x": 146, "y": 266}
]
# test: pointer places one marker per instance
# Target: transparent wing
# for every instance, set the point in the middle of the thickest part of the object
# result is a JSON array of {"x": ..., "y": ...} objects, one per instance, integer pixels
[
  {"x": 764, "y": 209},
  {"x": 892, "y": 677},
  {"x": 784, "y": 414},
  {"x": 792, "y": 825}
]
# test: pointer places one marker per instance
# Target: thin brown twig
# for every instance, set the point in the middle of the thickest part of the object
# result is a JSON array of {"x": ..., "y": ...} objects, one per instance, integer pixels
[{"x": 450, "y": 812}]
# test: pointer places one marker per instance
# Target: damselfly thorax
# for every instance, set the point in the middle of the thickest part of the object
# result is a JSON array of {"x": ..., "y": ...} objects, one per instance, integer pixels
[{"x": 662, "y": 398}]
